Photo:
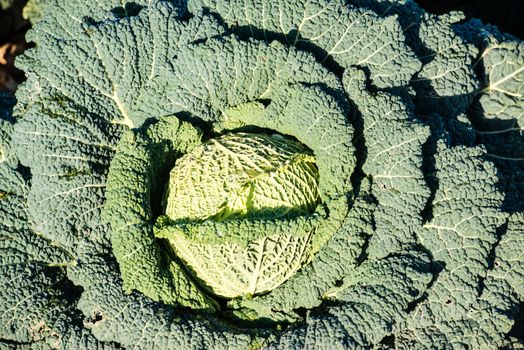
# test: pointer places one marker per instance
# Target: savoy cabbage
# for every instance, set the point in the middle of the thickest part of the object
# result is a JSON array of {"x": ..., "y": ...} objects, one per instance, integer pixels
[{"x": 262, "y": 174}]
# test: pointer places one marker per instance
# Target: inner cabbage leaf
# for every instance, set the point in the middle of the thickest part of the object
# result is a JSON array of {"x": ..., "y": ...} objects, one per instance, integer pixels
[{"x": 243, "y": 175}]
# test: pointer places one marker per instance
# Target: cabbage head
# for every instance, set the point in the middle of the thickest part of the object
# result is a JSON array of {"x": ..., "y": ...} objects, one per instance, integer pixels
[
  {"x": 255, "y": 177},
  {"x": 262, "y": 174}
]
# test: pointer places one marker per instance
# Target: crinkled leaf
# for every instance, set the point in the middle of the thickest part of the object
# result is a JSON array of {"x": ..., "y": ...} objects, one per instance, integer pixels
[
  {"x": 332, "y": 30},
  {"x": 393, "y": 141}
]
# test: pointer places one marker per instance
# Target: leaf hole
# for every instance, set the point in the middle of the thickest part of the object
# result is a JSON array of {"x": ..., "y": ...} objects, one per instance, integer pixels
[
  {"x": 96, "y": 317},
  {"x": 128, "y": 10}
]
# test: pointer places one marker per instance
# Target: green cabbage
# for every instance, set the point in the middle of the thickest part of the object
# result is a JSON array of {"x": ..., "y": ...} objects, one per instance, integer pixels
[{"x": 262, "y": 174}]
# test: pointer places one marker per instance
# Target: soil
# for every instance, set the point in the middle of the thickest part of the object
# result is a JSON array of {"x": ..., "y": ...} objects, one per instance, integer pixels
[{"x": 12, "y": 43}]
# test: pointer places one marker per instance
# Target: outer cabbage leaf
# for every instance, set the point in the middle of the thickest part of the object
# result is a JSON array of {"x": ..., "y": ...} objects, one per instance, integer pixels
[
  {"x": 500, "y": 115},
  {"x": 375, "y": 297},
  {"x": 109, "y": 65},
  {"x": 488, "y": 319},
  {"x": 461, "y": 233},
  {"x": 393, "y": 140},
  {"x": 68, "y": 150},
  {"x": 461, "y": 60},
  {"x": 332, "y": 30},
  {"x": 140, "y": 161},
  {"x": 209, "y": 78},
  {"x": 503, "y": 95},
  {"x": 36, "y": 305},
  {"x": 136, "y": 321},
  {"x": 508, "y": 266},
  {"x": 446, "y": 83}
]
